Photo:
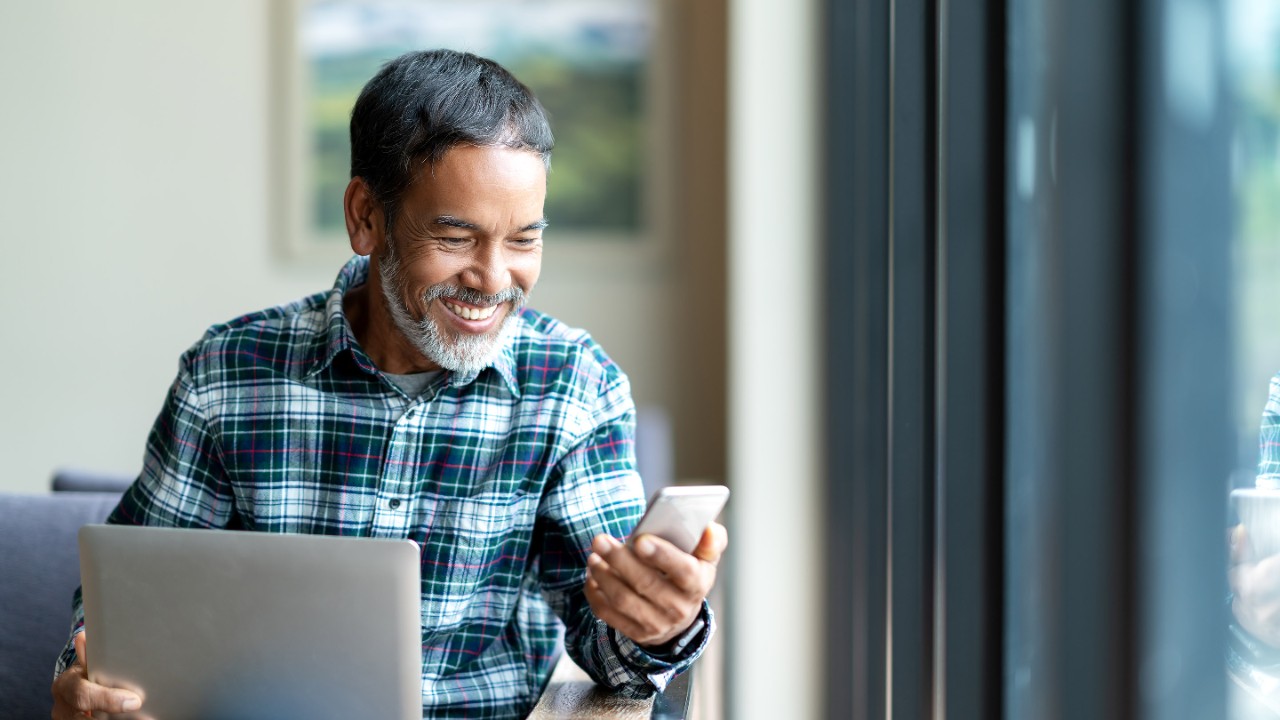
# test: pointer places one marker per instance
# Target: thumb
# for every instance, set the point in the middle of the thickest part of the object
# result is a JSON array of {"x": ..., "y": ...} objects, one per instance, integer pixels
[
  {"x": 1241, "y": 548},
  {"x": 714, "y": 540}
]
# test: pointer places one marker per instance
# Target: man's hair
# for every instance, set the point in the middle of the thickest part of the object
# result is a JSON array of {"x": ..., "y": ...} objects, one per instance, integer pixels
[{"x": 422, "y": 104}]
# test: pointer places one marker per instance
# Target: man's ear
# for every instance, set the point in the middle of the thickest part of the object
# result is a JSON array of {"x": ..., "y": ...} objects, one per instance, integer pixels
[{"x": 365, "y": 221}]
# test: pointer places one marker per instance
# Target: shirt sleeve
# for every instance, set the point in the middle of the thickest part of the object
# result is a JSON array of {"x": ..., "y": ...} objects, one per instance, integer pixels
[
  {"x": 182, "y": 484},
  {"x": 1269, "y": 439},
  {"x": 595, "y": 489}
]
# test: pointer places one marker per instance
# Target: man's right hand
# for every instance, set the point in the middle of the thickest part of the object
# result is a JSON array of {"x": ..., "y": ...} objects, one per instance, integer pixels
[
  {"x": 75, "y": 696},
  {"x": 1255, "y": 586}
]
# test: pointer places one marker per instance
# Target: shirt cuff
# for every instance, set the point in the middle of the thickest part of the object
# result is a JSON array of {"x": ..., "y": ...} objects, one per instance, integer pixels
[
  {"x": 663, "y": 664},
  {"x": 670, "y": 650}
]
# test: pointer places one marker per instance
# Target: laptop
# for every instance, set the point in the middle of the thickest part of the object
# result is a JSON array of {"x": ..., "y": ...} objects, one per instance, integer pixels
[{"x": 228, "y": 624}]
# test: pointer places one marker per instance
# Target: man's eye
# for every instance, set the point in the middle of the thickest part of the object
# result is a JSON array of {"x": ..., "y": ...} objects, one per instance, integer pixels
[
  {"x": 454, "y": 241},
  {"x": 525, "y": 241}
]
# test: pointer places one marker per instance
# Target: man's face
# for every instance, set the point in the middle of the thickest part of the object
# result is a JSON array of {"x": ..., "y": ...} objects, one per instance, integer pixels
[{"x": 464, "y": 252}]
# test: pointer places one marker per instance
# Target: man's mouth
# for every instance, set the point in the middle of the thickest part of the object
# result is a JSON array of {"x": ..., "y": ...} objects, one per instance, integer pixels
[{"x": 471, "y": 313}]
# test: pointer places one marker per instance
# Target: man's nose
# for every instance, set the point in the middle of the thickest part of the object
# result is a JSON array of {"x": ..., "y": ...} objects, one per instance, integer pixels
[{"x": 488, "y": 272}]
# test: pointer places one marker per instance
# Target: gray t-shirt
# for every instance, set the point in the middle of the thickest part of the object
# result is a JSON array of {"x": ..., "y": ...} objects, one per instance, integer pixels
[{"x": 414, "y": 384}]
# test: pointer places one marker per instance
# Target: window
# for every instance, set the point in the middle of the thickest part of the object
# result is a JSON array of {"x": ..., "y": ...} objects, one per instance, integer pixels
[
  {"x": 591, "y": 64},
  {"x": 1058, "y": 357}
]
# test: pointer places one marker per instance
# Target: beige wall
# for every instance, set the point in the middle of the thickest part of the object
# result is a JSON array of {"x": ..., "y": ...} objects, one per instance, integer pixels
[
  {"x": 134, "y": 198},
  {"x": 775, "y": 436}
]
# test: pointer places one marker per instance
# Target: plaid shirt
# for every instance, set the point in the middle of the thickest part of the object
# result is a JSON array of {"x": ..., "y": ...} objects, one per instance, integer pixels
[
  {"x": 1269, "y": 439},
  {"x": 279, "y": 422}
]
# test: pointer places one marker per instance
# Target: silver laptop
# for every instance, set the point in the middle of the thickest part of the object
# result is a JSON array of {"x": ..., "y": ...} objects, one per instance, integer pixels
[{"x": 224, "y": 624}]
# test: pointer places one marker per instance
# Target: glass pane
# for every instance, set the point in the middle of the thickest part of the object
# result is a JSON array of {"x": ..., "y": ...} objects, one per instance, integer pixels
[
  {"x": 1029, "y": 170},
  {"x": 1253, "y": 43}
]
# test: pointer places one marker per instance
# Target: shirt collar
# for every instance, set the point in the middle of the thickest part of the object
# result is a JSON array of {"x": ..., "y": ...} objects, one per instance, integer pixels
[{"x": 338, "y": 336}]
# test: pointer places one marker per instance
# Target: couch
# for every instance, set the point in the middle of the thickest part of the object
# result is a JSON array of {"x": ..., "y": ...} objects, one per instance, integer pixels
[{"x": 39, "y": 572}]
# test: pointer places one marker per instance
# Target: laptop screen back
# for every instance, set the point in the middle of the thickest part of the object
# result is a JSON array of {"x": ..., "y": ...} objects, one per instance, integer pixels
[{"x": 229, "y": 624}]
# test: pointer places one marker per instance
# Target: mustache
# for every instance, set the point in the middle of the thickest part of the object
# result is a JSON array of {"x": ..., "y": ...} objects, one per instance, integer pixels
[{"x": 514, "y": 295}]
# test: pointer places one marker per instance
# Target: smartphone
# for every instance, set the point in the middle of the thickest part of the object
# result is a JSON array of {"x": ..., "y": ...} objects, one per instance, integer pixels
[{"x": 679, "y": 514}]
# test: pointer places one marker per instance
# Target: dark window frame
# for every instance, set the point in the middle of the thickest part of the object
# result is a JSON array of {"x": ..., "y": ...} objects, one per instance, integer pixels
[
  {"x": 914, "y": 435},
  {"x": 1019, "y": 425}
]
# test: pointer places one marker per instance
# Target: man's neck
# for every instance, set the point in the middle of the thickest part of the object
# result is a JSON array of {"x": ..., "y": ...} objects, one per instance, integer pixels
[{"x": 366, "y": 311}]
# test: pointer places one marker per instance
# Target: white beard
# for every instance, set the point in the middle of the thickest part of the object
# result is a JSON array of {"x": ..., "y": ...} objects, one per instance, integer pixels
[{"x": 462, "y": 354}]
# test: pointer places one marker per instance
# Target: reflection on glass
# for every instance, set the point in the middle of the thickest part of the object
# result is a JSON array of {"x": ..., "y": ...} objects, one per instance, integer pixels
[
  {"x": 1253, "y": 655},
  {"x": 586, "y": 61},
  {"x": 1029, "y": 590}
]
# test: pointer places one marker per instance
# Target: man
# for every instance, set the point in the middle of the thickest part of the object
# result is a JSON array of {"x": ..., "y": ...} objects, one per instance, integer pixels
[{"x": 419, "y": 399}]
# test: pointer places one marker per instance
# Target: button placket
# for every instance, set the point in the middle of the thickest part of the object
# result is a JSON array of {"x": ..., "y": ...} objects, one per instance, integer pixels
[{"x": 394, "y": 509}]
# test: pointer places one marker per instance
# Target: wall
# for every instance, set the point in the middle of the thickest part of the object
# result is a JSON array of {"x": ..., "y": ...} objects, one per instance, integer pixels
[
  {"x": 134, "y": 194},
  {"x": 774, "y": 395},
  {"x": 133, "y": 197}
]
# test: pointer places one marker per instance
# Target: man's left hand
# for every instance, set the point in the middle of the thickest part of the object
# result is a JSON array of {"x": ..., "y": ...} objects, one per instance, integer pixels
[{"x": 651, "y": 591}]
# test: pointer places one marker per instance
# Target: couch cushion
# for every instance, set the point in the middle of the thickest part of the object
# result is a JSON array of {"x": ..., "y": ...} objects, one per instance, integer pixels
[{"x": 39, "y": 573}]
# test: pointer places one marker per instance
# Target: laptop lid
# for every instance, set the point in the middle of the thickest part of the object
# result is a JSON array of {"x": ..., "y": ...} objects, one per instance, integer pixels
[{"x": 230, "y": 624}]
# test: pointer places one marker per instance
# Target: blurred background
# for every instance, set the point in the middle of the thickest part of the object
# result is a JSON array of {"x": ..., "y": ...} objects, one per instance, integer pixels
[
  {"x": 168, "y": 166},
  {"x": 175, "y": 165},
  {"x": 972, "y": 305}
]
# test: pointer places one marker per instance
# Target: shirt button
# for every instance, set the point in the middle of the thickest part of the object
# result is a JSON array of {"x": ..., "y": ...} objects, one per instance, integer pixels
[{"x": 393, "y": 503}]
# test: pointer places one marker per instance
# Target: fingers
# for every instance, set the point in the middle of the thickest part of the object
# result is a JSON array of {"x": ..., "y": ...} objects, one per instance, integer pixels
[
  {"x": 74, "y": 695},
  {"x": 635, "y": 616},
  {"x": 650, "y": 592},
  {"x": 652, "y": 566},
  {"x": 647, "y": 581},
  {"x": 671, "y": 594}
]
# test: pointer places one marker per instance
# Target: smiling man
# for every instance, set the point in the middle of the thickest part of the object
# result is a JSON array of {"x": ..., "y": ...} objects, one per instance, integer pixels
[{"x": 420, "y": 398}]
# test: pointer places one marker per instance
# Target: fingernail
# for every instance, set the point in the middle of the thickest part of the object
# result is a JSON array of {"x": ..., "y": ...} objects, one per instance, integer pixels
[
  {"x": 600, "y": 544},
  {"x": 645, "y": 546},
  {"x": 130, "y": 702}
]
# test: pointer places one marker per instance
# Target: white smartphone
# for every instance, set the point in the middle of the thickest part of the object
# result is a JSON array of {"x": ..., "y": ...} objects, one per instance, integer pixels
[{"x": 679, "y": 514}]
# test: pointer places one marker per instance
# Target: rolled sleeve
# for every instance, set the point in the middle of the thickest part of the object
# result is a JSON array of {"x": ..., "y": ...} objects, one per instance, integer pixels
[
  {"x": 641, "y": 668},
  {"x": 597, "y": 490},
  {"x": 1269, "y": 439}
]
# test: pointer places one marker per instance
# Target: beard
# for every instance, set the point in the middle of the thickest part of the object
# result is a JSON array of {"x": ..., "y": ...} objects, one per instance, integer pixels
[{"x": 465, "y": 354}]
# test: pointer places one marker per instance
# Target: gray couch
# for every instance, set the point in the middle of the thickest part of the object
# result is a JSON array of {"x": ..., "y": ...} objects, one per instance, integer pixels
[{"x": 39, "y": 572}]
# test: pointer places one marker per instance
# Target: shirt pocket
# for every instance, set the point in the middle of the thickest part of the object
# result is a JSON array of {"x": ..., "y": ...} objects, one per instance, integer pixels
[{"x": 474, "y": 558}]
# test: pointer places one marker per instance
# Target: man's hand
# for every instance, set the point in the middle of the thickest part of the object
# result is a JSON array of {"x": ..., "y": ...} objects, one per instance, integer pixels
[
  {"x": 651, "y": 591},
  {"x": 74, "y": 696},
  {"x": 1255, "y": 585}
]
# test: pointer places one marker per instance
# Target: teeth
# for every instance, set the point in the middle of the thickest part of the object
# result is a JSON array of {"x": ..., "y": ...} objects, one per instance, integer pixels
[{"x": 471, "y": 313}]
